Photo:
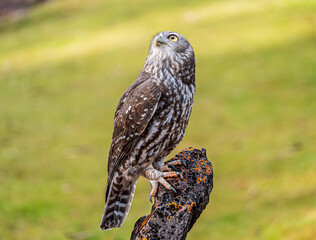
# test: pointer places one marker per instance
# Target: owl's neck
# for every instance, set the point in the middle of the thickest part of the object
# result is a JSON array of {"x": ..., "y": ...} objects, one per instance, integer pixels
[{"x": 162, "y": 67}]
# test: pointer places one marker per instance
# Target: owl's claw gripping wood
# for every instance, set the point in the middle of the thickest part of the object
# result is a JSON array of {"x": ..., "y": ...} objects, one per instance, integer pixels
[
  {"x": 178, "y": 162},
  {"x": 155, "y": 177},
  {"x": 172, "y": 174},
  {"x": 166, "y": 168},
  {"x": 183, "y": 163},
  {"x": 154, "y": 186},
  {"x": 164, "y": 182},
  {"x": 172, "y": 164}
]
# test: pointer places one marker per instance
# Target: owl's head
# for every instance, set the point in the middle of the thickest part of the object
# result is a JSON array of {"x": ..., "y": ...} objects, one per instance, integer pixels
[{"x": 170, "y": 44}]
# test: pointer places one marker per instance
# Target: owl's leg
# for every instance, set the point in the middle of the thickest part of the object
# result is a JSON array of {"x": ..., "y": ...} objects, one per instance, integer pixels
[
  {"x": 154, "y": 189},
  {"x": 155, "y": 177}
]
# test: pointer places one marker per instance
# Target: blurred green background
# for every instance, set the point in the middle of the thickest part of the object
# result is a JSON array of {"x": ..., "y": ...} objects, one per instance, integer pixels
[{"x": 64, "y": 66}]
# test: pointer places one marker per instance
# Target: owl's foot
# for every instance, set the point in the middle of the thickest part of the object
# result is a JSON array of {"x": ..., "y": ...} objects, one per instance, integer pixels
[
  {"x": 171, "y": 165},
  {"x": 155, "y": 177}
]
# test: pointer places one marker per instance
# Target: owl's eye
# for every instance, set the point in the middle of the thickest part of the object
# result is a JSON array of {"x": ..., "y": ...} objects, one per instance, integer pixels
[{"x": 173, "y": 38}]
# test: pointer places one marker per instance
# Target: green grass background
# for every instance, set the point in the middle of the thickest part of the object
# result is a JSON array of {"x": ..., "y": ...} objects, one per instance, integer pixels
[{"x": 64, "y": 67}]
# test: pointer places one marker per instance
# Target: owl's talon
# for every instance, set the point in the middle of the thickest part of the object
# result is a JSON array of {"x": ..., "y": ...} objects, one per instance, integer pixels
[
  {"x": 172, "y": 188},
  {"x": 150, "y": 198},
  {"x": 167, "y": 167},
  {"x": 172, "y": 174},
  {"x": 181, "y": 162},
  {"x": 172, "y": 167},
  {"x": 177, "y": 163},
  {"x": 184, "y": 163},
  {"x": 180, "y": 175}
]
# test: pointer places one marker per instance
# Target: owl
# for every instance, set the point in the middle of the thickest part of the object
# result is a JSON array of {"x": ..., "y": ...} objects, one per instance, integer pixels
[{"x": 150, "y": 121}]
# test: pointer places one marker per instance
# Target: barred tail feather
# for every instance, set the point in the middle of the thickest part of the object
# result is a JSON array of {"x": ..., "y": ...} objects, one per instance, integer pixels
[{"x": 117, "y": 205}]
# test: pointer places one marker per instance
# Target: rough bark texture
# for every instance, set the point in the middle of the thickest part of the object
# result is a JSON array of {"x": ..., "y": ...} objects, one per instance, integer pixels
[{"x": 173, "y": 214}]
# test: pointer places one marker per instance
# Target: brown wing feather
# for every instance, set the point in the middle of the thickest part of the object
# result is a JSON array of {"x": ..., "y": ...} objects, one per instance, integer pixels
[{"x": 134, "y": 111}]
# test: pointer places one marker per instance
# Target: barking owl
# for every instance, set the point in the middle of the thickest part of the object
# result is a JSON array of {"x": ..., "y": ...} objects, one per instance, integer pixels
[{"x": 150, "y": 121}]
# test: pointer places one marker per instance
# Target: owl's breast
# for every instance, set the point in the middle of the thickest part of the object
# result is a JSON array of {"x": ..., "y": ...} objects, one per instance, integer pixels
[
  {"x": 167, "y": 126},
  {"x": 174, "y": 111}
]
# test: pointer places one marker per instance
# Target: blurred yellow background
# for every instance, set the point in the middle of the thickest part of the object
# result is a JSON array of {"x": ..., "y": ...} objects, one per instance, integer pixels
[{"x": 64, "y": 66}]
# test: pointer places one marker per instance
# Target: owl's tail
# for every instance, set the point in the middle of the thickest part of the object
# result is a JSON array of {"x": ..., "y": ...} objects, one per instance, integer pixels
[{"x": 118, "y": 203}]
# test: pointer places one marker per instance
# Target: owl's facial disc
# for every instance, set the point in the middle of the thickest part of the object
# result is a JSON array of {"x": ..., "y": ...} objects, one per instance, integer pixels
[{"x": 169, "y": 44}]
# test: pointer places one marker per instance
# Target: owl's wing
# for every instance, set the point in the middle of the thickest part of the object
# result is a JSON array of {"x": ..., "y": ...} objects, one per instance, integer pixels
[{"x": 134, "y": 111}]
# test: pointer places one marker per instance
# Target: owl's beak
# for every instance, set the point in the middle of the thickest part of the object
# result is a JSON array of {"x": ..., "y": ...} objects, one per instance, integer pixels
[{"x": 159, "y": 41}]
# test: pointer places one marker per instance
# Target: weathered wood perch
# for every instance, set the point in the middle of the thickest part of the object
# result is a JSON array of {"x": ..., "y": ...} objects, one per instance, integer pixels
[{"x": 174, "y": 214}]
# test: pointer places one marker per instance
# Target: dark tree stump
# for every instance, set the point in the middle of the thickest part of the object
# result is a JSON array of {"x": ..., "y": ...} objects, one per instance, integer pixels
[{"x": 174, "y": 214}]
